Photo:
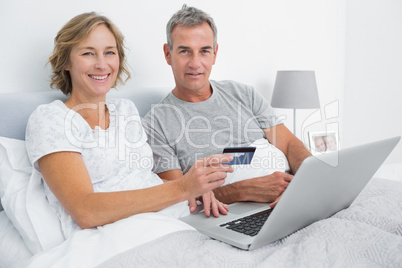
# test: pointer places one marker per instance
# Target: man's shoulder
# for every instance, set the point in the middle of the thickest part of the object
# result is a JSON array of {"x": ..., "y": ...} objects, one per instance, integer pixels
[
  {"x": 229, "y": 84},
  {"x": 159, "y": 110},
  {"x": 233, "y": 88},
  {"x": 168, "y": 99}
]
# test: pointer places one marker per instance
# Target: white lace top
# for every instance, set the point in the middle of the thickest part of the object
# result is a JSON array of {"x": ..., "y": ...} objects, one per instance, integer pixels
[{"x": 118, "y": 158}]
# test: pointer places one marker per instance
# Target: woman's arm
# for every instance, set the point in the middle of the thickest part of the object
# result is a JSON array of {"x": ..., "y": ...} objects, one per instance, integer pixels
[{"x": 72, "y": 186}]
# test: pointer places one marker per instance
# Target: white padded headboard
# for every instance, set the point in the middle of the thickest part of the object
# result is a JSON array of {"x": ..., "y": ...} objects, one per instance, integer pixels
[{"x": 15, "y": 108}]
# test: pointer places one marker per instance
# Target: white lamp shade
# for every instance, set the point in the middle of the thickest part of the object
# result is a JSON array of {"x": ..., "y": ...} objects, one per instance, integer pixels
[{"x": 296, "y": 90}]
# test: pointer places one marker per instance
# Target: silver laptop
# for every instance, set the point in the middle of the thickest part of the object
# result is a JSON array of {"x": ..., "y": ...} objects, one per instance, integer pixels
[{"x": 322, "y": 186}]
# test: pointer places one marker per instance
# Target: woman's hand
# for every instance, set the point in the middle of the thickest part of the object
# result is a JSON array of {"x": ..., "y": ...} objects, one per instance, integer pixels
[
  {"x": 210, "y": 203},
  {"x": 205, "y": 175}
]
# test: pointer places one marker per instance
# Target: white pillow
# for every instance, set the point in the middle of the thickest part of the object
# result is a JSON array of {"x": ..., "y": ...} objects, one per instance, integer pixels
[
  {"x": 12, "y": 248},
  {"x": 24, "y": 200},
  {"x": 266, "y": 160}
]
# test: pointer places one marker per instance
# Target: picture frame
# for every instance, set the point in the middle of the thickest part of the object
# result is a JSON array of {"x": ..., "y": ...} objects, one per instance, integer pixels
[{"x": 323, "y": 142}]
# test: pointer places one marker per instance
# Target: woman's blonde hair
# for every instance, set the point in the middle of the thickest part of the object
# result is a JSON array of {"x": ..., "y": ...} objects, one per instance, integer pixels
[{"x": 75, "y": 31}]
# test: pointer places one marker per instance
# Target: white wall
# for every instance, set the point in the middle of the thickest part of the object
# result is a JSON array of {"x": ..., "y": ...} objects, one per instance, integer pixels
[
  {"x": 256, "y": 38},
  {"x": 372, "y": 103}
]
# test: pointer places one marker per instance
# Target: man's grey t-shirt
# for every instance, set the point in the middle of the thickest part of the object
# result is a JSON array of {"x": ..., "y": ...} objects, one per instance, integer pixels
[{"x": 181, "y": 132}]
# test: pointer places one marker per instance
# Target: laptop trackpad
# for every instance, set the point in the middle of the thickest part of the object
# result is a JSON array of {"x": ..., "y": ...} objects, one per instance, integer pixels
[{"x": 243, "y": 207}]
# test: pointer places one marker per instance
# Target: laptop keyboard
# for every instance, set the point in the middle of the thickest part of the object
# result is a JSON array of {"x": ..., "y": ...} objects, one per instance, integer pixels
[{"x": 249, "y": 225}]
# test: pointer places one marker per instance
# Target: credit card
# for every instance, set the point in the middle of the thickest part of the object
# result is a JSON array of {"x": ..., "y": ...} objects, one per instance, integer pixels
[{"x": 241, "y": 155}]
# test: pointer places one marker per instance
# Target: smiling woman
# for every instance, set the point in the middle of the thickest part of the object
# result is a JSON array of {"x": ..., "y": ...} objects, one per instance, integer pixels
[
  {"x": 93, "y": 66},
  {"x": 73, "y": 33},
  {"x": 83, "y": 149}
]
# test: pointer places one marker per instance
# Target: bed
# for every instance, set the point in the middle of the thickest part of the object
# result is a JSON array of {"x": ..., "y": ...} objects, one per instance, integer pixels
[{"x": 367, "y": 234}]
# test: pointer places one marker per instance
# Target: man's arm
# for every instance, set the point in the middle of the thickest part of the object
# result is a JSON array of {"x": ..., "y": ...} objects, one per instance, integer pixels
[
  {"x": 289, "y": 144},
  {"x": 268, "y": 188},
  {"x": 261, "y": 189},
  {"x": 265, "y": 188}
]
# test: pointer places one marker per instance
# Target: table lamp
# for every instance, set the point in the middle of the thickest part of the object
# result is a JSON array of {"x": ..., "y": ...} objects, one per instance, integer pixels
[{"x": 295, "y": 90}]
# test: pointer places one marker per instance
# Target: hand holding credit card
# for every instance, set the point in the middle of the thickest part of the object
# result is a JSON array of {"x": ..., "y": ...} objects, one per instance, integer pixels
[{"x": 241, "y": 155}]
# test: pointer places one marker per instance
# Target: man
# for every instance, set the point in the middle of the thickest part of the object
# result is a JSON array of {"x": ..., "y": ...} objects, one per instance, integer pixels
[{"x": 201, "y": 116}]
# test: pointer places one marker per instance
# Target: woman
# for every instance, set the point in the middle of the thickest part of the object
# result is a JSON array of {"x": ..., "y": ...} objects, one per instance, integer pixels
[{"x": 82, "y": 147}]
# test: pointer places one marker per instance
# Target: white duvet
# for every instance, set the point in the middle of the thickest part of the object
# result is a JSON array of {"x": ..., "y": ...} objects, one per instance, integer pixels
[
  {"x": 91, "y": 247},
  {"x": 368, "y": 233}
]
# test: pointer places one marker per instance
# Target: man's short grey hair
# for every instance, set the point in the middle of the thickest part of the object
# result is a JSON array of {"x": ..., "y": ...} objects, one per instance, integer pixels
[{"x": 189, "y": 17}]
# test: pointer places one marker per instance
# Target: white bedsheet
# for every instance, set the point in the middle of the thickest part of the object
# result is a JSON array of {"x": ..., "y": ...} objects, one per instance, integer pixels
[{"x": 377, "y": 211}]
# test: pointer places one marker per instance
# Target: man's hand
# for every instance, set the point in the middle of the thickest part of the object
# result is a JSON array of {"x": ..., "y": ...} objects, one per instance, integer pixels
[
  {"x": 261, "y": 189},
  {"x": 273, "y": 204},
  {"x": 269, "y": 188},
  {"x": 210, "y": 203}
]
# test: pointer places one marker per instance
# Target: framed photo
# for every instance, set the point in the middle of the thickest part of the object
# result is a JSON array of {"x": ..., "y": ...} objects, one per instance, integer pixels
[{"x": 323, "y": 142}]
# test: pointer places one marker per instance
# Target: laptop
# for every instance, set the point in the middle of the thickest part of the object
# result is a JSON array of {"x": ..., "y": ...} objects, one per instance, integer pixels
[{"x": 322, "y": 186}]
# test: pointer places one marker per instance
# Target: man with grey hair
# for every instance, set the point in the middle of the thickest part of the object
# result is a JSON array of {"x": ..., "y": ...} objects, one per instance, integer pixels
[{"x": 200, "y": 117}]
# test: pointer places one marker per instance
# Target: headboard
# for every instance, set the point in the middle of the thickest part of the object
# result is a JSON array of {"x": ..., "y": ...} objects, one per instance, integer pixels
[{"x": 15, "y": 108}]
